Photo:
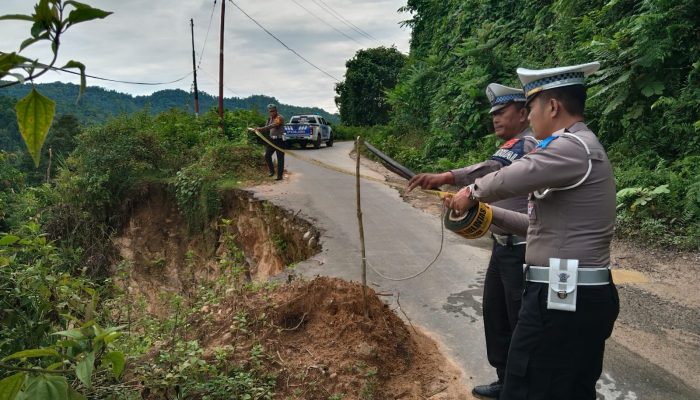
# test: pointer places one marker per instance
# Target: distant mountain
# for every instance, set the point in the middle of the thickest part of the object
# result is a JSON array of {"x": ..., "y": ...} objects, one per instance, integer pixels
[{"x": 98, "y": 104}]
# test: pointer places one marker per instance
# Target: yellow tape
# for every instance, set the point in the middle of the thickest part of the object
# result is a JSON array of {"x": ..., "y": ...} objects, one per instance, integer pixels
[
  {"x": 473, "y": 225},
  {"x": 438, "y": 193}
]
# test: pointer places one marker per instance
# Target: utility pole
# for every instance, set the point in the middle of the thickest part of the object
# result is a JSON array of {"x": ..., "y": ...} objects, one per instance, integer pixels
[
  {"x": 221, "y": 69},
  {"x": 194, "y": 70}
]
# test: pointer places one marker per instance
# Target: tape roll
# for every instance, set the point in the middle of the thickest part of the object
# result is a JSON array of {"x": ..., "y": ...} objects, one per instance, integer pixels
[{"x": 474, "y": 224}]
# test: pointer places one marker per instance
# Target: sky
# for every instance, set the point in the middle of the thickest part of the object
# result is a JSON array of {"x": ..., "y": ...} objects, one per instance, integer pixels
[{"x": 149, "y": 41}]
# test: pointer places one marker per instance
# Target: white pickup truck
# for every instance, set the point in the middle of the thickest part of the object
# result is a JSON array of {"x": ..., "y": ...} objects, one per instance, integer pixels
[{"x": 305, "y": 129}]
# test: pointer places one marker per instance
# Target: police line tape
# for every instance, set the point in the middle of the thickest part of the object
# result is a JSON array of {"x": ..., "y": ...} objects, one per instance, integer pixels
[
  {"x": 439, "y": 193},
  {"x": 471, "y": 225}
]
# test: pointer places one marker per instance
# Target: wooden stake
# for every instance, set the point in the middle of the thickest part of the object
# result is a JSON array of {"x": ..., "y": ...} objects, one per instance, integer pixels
[
  {"x": 48, "y": 169},
  {"x": 358, "y": 144}
]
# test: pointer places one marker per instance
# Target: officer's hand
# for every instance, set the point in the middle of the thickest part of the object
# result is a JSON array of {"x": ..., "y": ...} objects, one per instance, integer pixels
[
  {"x": 430, "y": 181},
  {"x": 460, "y": 202}
]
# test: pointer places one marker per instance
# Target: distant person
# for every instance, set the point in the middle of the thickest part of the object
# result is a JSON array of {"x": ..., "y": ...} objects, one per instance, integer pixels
[
  {"x": 503, "y": 285},
  {"x": 569, "y": 303},
  {"x": 275, "y": 126}
]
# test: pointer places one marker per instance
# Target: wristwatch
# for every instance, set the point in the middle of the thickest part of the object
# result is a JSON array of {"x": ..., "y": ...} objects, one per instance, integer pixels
[{"x": 471, "y": 192}]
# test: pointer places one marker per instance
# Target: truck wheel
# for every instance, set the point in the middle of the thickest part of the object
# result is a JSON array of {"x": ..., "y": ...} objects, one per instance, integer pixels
[
  {"x": 329, "y": 143},
  {"x": 317, "y": 142}
]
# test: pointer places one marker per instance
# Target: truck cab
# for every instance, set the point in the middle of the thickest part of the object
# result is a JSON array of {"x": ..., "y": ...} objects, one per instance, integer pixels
[{"x": 307, "y": 129}]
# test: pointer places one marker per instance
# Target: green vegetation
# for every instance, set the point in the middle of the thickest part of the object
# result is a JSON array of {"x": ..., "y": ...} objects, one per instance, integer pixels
[
  {"x": 98, "y": 105},
  {"x": 50, "y": 20},
  {"x": 57, "y": 293},
  {"x": 362, "y": 95},
  {"x": 644, "y": 104}
]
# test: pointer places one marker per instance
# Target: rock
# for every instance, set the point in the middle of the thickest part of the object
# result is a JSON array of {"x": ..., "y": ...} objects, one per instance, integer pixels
[
  {"x": 307, "y": 235},
  {"x": 204, "y": 309},
  {"x": 333, "y": 375},
  {"x": 364, "y": 350},
  {"x": 313, "y": 242}
]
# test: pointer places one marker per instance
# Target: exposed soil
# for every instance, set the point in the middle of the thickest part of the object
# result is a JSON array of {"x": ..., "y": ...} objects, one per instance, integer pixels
[
  {"x": 322, "y": 342},
  {"x": 324, "y": 345},
  {"x": 160, "y": 255}
]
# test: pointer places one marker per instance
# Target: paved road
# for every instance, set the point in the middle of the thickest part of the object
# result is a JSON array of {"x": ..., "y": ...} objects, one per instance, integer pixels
[{"x": 446, "y": 300}]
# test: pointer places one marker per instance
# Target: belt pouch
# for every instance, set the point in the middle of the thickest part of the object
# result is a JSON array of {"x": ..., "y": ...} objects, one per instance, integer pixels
[{"x": 563, "y": 277}]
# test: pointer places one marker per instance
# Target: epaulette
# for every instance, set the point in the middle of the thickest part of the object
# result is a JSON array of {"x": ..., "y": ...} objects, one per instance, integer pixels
[
  {"x": 509, "y": 144},
  {"x": 545, "y": 142}
]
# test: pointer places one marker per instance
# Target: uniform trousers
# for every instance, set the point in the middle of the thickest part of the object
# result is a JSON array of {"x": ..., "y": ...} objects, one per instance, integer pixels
[
  {"x": 503, "y": 290},
  {"x": 558, "y": 355},
  {"x": 280, "y": 157}
]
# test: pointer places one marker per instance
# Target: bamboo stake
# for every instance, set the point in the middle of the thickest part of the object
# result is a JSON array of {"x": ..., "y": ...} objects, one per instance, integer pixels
[{"x": 358, "y": 144}]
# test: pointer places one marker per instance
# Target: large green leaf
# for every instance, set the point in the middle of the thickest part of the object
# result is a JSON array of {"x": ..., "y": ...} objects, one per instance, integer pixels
[
  {"x": 116, "y": 358},
  {"x": 8, "y": 240},
  {"x": 33, "y": 40},
  {"x": 9, "y": 61},
  {"x": 33, "y": 353},
  {"x": 47, "y": 387},
  {"x": 34, "y": 115},
  {"x": 81, "y": 67},
  {"x": 10, "y": 386},
  {"x": 84, "y": 369},
  {"x": 73, "y": 333},
  {"x": 86, "y": 13},
  {"x": 653, "y": 88}
]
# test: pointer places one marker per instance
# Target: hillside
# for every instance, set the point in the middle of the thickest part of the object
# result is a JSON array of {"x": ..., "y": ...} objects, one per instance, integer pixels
[{"x": 99, "y": 104}]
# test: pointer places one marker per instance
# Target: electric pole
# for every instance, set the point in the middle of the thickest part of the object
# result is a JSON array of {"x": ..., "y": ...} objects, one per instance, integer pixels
[
  {"x": 194, "y": 70},
  {"x": 221, "y": 69}
]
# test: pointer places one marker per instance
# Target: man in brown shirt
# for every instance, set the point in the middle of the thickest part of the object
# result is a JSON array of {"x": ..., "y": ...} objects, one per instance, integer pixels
[
  {"x": 503, "y": 284},
  {"x": 570, "y": 303},
  {"x": 274, "y": 125}
]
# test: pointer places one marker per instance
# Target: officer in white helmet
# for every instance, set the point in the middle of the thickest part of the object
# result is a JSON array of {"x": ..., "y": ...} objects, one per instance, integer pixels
[{"x": 570, "y": 303}]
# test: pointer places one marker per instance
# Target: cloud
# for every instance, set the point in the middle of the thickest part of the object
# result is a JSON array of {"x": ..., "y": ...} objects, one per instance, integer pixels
[{"x": 150, "y": 41}]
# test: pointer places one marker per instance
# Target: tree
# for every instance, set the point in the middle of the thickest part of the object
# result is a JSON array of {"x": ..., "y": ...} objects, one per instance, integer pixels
[
  {"x": 49, "y": 21},
  {"x": 362, "y": 98}
]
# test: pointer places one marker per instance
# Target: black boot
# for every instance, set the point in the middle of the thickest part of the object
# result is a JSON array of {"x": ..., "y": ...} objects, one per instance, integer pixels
[{"x": 490, "y": 391}]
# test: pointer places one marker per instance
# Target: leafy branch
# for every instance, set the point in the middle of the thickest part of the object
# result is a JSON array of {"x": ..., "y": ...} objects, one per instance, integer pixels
[{"x": 35, "y": 112}]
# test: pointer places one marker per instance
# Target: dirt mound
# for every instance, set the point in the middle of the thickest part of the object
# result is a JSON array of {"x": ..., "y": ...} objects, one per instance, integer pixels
[{"x": 324, "y": 345}]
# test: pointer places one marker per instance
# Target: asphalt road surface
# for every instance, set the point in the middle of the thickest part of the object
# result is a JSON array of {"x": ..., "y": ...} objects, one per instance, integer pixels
[{"x": 446, "y": 300}]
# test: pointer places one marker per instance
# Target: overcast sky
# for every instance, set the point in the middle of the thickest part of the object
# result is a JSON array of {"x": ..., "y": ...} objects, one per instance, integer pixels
[{"x": 149, "y": 40}]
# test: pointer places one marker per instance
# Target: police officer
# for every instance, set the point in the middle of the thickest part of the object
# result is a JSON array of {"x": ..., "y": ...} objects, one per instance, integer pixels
[
  {"x": 503, "y": 285},
  {"x": 274, "y": 125},
  {"x": 570, "y": 302}
]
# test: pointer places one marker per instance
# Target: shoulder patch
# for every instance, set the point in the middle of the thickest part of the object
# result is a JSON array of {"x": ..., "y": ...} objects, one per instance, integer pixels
[
  {"x": 545, "y": 142},
  {"x": 510, "y": 143}
]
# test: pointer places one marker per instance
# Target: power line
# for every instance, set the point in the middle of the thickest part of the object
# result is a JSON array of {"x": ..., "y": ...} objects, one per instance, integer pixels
[
  {"x": 58, "y": 69},
  {"x": 120, "y": 81},
  {"x": 284, "y": 44},
  {"x": 343, "y": 18},
  {"x": 325, "y": 22},
  {"x": 201, "y": 54}
]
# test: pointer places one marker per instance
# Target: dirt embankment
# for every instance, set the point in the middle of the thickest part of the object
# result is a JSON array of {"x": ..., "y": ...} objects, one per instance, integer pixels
[
  {"x": 160, "y": 255},
  {"x": 320, "y": 343}
]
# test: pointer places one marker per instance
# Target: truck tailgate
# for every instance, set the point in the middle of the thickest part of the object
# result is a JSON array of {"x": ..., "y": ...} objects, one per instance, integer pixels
[{"x": 297, "y": 130}]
